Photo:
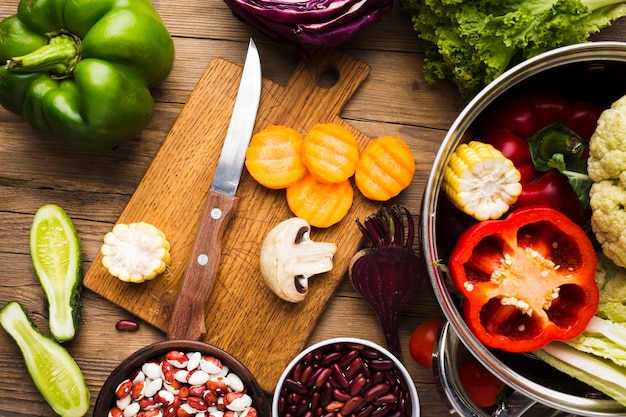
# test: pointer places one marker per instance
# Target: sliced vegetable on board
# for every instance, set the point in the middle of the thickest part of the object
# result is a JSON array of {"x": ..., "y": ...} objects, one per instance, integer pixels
[
  {"x": 135, "y": 252},
  {"x": 273, "y": 157},
  {"x": 526, "y": 280},
  {"x": 301, "y": 25},
  {"x": 320, "y": 204},
  {"x": 330, "y": 152},
  {"x": 473, "y": 42},
  {"x": 289, "y": 258},
  {"x": 81, "y": 70},
  {"x": 53, "y": 370},
  {"x": 385, "y": 168},
  {"x": 480, "y": 181},
  {"x": 388, "y": 271},
  {"x": 57, "y": 259}
]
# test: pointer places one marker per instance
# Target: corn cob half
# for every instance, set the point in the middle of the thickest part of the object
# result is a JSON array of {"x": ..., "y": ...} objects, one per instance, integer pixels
[
  {"x": 135, "y": 252},
  {"x": 480, "y": 181}
]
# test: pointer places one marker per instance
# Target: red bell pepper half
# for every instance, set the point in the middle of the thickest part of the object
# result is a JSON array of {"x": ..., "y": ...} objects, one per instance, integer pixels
[
  {"x": 526, "y": 280},
  {"x": 513, "y": 122}
]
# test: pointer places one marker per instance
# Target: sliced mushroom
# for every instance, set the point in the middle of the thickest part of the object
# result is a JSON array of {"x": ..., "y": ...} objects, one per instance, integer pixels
[{"x": 289, "y": 257}]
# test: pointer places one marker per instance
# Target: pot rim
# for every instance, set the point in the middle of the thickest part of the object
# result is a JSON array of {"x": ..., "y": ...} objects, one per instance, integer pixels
[{"x": 579, "y": 53}]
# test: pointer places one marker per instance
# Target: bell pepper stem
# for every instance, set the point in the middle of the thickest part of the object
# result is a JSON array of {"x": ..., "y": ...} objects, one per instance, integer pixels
[{"x": 59, "y": 56}]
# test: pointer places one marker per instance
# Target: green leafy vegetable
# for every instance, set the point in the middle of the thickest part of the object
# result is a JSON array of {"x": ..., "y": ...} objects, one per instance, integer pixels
[{"x": 472, "y": 42}]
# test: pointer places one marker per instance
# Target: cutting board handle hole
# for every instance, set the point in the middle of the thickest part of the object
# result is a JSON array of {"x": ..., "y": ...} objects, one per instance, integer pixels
[{"x": 328, "y": 77}]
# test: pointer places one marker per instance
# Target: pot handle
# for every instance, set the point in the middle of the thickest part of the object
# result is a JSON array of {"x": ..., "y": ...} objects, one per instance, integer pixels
[{"x": 516, "y": 405}]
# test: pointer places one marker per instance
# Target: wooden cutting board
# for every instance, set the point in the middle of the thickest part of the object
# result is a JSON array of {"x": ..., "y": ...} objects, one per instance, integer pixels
[{"x": 243, "y": 316}]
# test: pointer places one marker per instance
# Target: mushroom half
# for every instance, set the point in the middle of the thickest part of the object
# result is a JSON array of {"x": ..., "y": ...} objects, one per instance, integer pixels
[{"x": 289, "y": 258}]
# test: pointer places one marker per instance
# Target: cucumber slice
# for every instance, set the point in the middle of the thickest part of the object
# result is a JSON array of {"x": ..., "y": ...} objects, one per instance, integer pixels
[
  {"x": 55, "y": 252},
  {"x": 53, "y": 370}
]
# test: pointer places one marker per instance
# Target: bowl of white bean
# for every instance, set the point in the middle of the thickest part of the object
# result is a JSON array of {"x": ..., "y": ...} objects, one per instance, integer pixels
[{"x": 180, "y": 378}]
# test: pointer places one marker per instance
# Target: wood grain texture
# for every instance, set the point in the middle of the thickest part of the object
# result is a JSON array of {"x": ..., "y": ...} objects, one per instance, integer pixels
[
  {"x": 95, "y": 188},
  {"x": 172, "y": 194}
]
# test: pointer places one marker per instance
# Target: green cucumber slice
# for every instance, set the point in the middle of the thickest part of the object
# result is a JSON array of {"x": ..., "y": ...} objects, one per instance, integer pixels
[
  {"x": 53, "y": 370},
  {"x": 56, "y": 255}
]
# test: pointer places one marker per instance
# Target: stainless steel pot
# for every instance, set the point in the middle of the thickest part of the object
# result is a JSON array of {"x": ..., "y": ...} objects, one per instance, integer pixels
[{"x": 590, "y": 71}]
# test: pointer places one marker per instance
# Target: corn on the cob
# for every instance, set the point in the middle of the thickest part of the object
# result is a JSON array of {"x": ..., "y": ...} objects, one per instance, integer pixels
[
  {"x": 135, "y": 252},
  {"x": 480, "y": 181}
]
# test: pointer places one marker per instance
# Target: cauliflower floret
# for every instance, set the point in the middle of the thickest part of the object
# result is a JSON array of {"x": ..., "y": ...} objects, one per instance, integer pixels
[
  {"x": 607, "y": 199},
  {"x": 607, "y": 147}
]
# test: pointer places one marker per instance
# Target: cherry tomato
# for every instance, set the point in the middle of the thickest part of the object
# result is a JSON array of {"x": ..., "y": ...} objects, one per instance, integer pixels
[
  {"x": 480, "y": 385},
  {"x": 422, "y": 341}
]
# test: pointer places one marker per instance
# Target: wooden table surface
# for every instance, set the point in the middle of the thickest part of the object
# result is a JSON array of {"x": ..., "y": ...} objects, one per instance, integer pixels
[{"x": 94, "y": 187}]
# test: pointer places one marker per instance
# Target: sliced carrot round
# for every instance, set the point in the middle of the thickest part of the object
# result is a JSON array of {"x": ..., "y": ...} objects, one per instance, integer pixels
[
  {"x": 273, "y": 157},
  {"x": 321, "y": 204},
  {"x": 330, "y": 152},
  {"x": 386, "y": 167}
]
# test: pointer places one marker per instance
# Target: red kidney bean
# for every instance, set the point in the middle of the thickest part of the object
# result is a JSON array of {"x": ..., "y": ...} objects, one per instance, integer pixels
[
  {"x": 331, "y": 358},
  {"x": 376, "y": 391},
  {"x": 345, "y": 380},
  {"x": 296, "y": 374},
  {"x": 351, "y": 405},
  {"x": 381, "y": 364},
  {"x": 358, "y": 385},
  {"x": 127, "y": 326},
  {"x": 341, "y": 395},
  {"x": 295, "y": 386},
  {"x": 334, "y": 406},
  {"x": 354, "y": 368},
  {"x": 306, "y": 374},
  {"x": 382, "y": 411},
  {"x": 388, "y": 398},
  {"x": 323, "y": 376},
  {"x": 327, "y": 393},
  {"x": 348, "y": 357},
  {"x": 366, "y": 411},
  {"x": 339, "y": 376}
]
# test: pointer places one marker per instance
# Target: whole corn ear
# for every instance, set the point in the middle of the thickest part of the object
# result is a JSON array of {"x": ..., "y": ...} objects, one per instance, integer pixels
[
  {"x": 480, "y": 181},
  {"x": 135, "y": 252}
]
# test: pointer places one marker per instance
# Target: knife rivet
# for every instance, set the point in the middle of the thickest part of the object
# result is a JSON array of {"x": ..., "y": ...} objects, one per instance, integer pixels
[
  {"x": 216, "y": 213},
  {"x": 203, "y": 259}
]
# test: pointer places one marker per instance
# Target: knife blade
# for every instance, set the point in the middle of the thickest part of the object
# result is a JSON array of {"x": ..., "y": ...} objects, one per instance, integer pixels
[{"x": 187, "y": 320}]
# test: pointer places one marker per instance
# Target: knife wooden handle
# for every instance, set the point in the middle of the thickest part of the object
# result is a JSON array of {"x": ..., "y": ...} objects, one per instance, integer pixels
[{"x": 188, "y": 318}]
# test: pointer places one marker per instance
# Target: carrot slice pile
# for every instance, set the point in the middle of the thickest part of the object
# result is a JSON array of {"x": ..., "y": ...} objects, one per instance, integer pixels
[{"x": 316, "y": 169}]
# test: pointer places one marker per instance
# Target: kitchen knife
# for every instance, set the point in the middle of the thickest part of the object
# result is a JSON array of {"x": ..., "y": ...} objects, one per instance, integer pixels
[{"x": 188, "y": 317}]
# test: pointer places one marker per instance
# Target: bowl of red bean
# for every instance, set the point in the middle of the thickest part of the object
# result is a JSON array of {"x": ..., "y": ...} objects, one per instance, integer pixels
[
  {"x": 345, "y": 377},
  {"x": 181, "y": 378}
]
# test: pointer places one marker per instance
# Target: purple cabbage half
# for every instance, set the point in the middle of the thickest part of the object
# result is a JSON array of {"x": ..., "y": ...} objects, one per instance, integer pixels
[{"x": 299, "y": 24}]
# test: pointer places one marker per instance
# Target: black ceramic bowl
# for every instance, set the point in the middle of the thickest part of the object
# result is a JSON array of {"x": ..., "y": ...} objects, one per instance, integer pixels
[{"x": 106, "y": 399}]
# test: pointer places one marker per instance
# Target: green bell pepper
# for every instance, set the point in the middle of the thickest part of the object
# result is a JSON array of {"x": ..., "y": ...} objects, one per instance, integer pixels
[{"x": 82, "y": 70}]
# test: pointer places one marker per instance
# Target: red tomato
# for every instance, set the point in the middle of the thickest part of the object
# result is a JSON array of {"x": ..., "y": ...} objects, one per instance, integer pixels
[
  {"x": 480, "y": 385},
  {"x": 422, "y": 341}
]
